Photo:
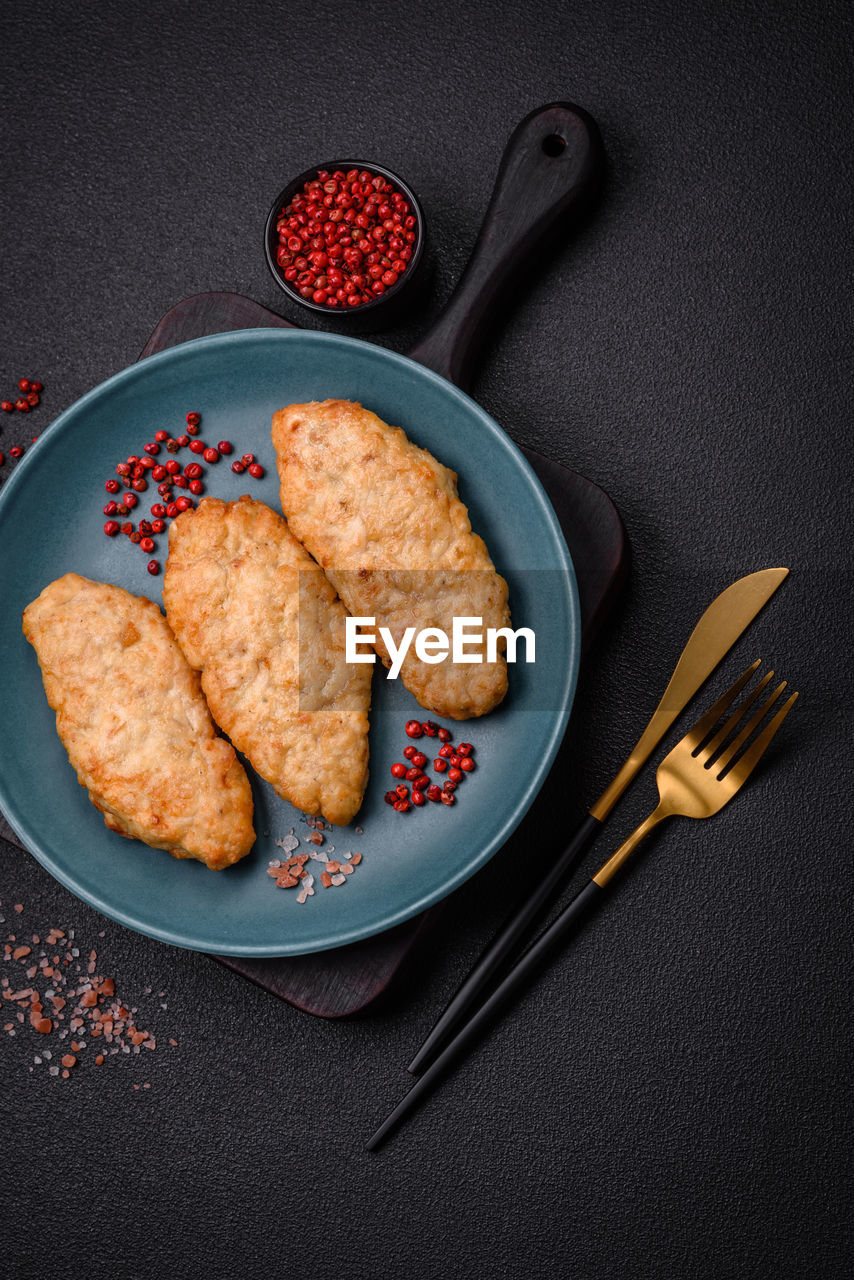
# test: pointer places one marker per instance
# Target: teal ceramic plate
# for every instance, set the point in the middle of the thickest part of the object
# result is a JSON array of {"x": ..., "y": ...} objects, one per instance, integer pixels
[{"x": 51, "y": 522}]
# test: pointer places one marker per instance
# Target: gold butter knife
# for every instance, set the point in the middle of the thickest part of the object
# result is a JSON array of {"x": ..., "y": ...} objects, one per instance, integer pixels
[{"x": 726, "y": 618}]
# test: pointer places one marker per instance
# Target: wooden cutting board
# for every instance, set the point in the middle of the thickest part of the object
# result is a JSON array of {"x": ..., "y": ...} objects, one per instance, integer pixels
[{"x": 536, "y": 189}]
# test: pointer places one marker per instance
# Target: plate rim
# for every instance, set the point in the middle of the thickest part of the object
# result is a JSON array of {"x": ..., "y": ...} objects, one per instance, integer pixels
[{"x": 273, "y": 335}]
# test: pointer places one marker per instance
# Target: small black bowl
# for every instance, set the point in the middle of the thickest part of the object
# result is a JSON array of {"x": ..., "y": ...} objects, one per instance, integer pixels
[{"x": 389, "y": 305}]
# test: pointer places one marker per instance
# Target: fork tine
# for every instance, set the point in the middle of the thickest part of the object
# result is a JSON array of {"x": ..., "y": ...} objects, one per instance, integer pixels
[
  {"x": 726, "y": 756},
  {"x": 707, "y": 722},
  {"x": 713, "y": 745},
  {"x": 742, "y": 769}
]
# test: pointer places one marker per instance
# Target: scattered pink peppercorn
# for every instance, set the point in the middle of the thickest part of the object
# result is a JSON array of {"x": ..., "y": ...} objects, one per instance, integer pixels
[
  {"x": 440, "y": 765},
  {"x": 430, "y": 728},
  {"x": 413, "y": 729},
  {"x": 24, "y": 385},
  {"x": 158, "y": 510},
  {"x": 111, "y": 528},
  {"x": 110, "y": 509},
  {"x": 237, "y": 468},
  {"x": 36, "y": 386},
  {"x": 390, "y": 797},
  {"x": 196, "y": 487},
  {"x": 410, "y": 751},
  {"x": 173, "y": 467},
  {"x": 140, "y": 485},
  {"x": 161, "y": 436},
  {"x": 448, "y": 798},
  {"x": 197, "y": 446},
  {"x": 418, "y": 798},
  {"x": 153, "y": 567},
  {"x": 7, "y": 406},
  {"x": 433, "y": 793},
  {"x": 157, "y": 526},
  {"x": 184, "y": 503},
  {"x": 146, "y": 544},
  {"x": 247, "y": 459},
  {"x": 455, "y": 775},
  {"x": 465, "y": 749},
  {"x": 444, "y": 735},
  {"x": 402, "y": 791},
  {"x": 112, "y": 486},
  {"x": 193, "y": 470},
  {"x": 16, "y": 451},
  {"x": 193, "y": 419},
  {"x": 182, "y": 441},
  {"x": 33, "y": 399},
  {"x": 151, "y": 448},
  {"x": 225, "y": 446},
  {"x": 255, "y": 470},
  {"x": 210, "y": 455},
  {"x": 467, "y": 764},
  {"x": 131, "y": 500},
  {"x": 398, "y": 770}
]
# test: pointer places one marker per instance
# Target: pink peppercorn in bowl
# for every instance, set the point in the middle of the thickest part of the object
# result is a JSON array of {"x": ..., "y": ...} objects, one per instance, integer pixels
[{"x": 345, "y": 240}]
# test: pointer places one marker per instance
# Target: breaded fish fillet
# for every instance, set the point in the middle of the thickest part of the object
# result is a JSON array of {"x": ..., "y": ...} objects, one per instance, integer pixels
[
  {"x": 133, "y": 720},
  {"x": 254, "y": 613},
  {"x": 383, "y": 519}
]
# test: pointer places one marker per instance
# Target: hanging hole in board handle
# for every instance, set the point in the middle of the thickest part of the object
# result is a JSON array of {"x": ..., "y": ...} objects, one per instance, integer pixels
[{"x": 554, "y": 145}]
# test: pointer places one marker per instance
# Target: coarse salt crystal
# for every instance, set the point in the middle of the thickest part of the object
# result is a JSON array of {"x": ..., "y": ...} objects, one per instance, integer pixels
[
  {"x": 338, "y": 878},
  {"x": 288, "y": 842}
]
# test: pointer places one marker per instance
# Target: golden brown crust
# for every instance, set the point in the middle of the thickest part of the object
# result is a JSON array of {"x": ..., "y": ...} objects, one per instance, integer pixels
[
  {"x": 254, "y": 613},
  {"x": 383, "y": 518},
  {"x": 131, "y": 716}
]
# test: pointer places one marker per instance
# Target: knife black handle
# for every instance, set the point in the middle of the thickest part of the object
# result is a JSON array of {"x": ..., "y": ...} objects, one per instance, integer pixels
[
  {"x": 513, "y": 930},
  {"x": 517, "y": 978},
  {"x": 551, "y": 167}
]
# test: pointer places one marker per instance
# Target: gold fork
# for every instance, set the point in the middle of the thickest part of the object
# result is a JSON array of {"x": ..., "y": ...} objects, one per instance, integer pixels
[
  {"x": 698, "y": 777},
  {"x": 695, "y": 780}
]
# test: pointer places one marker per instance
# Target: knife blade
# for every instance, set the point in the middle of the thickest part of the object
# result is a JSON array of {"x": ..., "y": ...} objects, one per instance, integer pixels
[{"x": 711, "y": 640}]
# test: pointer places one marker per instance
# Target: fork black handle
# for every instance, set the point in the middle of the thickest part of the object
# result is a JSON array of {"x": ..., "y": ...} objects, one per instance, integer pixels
[
  {"x": 517, "y": 978},
  {"x": 513, "y": 930}
]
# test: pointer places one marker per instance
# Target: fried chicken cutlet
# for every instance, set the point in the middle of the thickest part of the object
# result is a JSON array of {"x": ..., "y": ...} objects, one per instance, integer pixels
[
  {"x": 256, "y": 616},
  {"x": 131, "y": 716},
  {"x": 383, "y": 519}
]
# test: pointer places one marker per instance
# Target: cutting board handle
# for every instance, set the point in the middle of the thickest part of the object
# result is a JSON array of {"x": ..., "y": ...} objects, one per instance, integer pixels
[{"x": 552, "y": 165}]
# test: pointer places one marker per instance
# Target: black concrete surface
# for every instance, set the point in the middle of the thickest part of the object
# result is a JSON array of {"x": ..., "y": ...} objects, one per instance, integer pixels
[{"x": 673, "y": 1099}]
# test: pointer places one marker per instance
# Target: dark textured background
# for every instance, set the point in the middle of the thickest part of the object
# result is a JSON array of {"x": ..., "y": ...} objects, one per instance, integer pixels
[{"x": 672, "y": 1100}]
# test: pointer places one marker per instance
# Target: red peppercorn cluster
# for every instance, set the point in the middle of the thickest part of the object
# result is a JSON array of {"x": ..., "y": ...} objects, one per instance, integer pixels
[
  {"x": 28, "y": 397},
  {"x": 345, "y": 238},
  {"x": 455, "y": 761},
  {"x": 135, "y": 473}
]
